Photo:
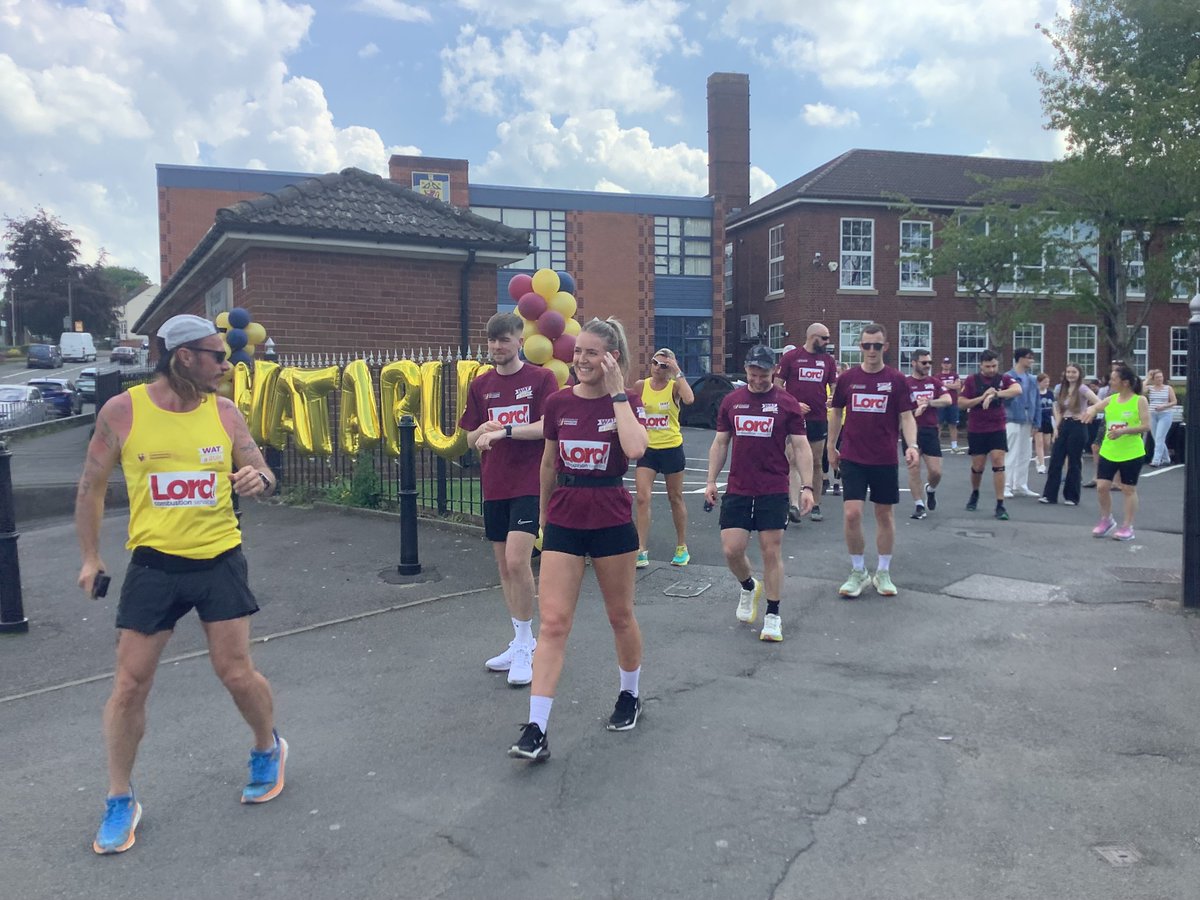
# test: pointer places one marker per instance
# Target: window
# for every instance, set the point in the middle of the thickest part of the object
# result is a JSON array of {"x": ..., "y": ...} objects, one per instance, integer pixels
[
  {"x": 682, "y": 246},
  {"x": 1031, "y": 335},
  {"x": 776, "y": 337},
  {"x": 775, "y": 260},
  {"x": 548, "y": 231},
  {"x": 916, "y": 240},
  {"x": 691, "y": 339},
  {"x": 972, "y": 341},
  {"x": 914, "y": 336},
  {"x": 1179, "y": 352},
  {"x": 1141, "y": 354},
  {"x": 1135, "y": 265},
  {"x": 849, "y": 334},
  {"x": 728, "y": 272},
  {"x": 1081, "y": 348},
  {"x": 858, "y": 254}
]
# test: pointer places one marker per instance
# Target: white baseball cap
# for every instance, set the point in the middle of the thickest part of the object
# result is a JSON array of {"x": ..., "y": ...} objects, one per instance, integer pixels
[{"x": 179, "y": 330}]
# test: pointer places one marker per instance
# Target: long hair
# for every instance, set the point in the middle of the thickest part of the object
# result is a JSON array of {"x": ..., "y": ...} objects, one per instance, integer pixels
[
  {"x": 177, "y": 377},
  {"x": 1068, "y": 394},
  {"x": 612, "y": 332}
]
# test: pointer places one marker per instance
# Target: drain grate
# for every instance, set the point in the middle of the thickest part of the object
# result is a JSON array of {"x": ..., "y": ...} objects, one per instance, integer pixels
[
  {"x": 1118, "y": 855},
  {"x": 1144, "y": 575},
  {"x": 687, "y": 588},
  {"x": 976, "y": 534}
]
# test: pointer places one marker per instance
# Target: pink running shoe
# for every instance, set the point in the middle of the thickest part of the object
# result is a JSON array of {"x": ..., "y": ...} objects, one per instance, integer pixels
[
  {"x": 1123, "y": 534},
  {"x": 1104, "y": 526}
]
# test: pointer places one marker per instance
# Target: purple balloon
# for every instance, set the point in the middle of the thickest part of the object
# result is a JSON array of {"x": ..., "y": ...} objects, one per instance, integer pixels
[
  {"x": 519, "y": 286},
  {"x": 531, "y": 306},
  {"x": 551, "y": 324},
  {"x": 564, "y": 348}
]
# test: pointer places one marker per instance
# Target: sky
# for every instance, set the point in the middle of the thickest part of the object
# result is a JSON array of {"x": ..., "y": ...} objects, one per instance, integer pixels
[{"x": 573, "y": 94}]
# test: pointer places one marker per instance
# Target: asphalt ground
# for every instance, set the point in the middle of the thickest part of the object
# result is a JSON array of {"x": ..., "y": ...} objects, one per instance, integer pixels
[{"x": 1021, "y": 708}]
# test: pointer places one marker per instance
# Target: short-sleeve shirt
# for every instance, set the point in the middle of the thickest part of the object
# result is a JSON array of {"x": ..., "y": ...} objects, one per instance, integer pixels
[
  {"x": 509, "y": 468},
  {"x": 806, "y": 376},
  {"x": 588, "y": 447},
  {"x": 760, "y": 425},
  {"x": 873, "y": 402},
  {"x": 946, "y": 378},
  {"x": 929, "y": 388},
  {"x": 980, "y": 420}
]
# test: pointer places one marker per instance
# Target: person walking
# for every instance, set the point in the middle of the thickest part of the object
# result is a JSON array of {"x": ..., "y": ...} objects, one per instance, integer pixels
[
  {"x": 1122, "y": 452},
  {"x": 503, "y": 420},
  {"x": 591, "y": 432},
  {"x": 184, "y": 452},
  {"x": 982, "y": 395},
  {"x": 1161, "y": 399},
  {"x": 1070, "y": 401},
  {"x": 662, "y": 395},
  {"x": 1043, "y": 435},
  {"x": 807, "y": 373},
  {"x": 1023, "y": 413},
  {"x": 878, "y": 409},
  {"x": 929, "y": 398},
  {"x": 949, "y": 415},
  {"x": 761, "y": 421}
]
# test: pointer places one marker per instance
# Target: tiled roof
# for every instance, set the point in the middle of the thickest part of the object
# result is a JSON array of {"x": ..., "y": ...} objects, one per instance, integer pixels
[{"x": 930, "y": 179}]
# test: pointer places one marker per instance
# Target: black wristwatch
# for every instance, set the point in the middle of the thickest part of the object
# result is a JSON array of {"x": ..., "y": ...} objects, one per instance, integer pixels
[
  {"x": 508, "y": 431},
  {"x": 266, "y": 481},
  {"x": 620, "y": 398}
]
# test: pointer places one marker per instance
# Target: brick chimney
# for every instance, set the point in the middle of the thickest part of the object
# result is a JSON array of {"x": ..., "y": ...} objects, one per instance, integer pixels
[
  {"x": 729, "y": 139},
  {"x": 432, "y": 174}
]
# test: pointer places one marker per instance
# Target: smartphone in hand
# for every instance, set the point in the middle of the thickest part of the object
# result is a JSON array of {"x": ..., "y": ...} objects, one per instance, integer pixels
[{"x": 100, "y": 585}]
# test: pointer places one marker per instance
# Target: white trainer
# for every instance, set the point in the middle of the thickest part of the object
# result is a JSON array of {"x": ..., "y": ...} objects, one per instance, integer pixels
[
  {"x": 772, "y": 629},
  {"x": 520, "y": 671},
  {"x": 747, "y": 608},
  {"x": 501, "y": 662}
]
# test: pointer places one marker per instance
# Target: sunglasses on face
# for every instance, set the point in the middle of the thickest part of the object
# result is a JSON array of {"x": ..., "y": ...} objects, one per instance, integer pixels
[
  {"x": 218, "y": 355},
  {"x": 871, "y": 346},
  {"x": 659, "y": 365}
]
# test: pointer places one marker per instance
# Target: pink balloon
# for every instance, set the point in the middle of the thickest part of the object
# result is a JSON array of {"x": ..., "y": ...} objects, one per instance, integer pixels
[
  {"x": 519, "y": 286},
  {"x": 564, "y": 348},
  {"x": 551, "y": 324},
  {"x": 531, "y": 306}
]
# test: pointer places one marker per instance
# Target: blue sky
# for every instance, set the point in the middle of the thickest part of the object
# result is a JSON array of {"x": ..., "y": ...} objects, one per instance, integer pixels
[{"x": 578, "y": 94}]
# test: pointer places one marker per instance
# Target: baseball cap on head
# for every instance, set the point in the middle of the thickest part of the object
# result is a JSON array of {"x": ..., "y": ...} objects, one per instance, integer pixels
[
  {"x": 180, "y": 330},
  {"x": 761, "y": 356},
  {"x": 945, "y": 359}
]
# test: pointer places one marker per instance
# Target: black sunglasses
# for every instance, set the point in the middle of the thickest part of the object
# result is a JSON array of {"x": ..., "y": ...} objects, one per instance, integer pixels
[
  {"x": 872, "y": 346},
  {"x": 218, "y": 355},
  {"x": 660, "y": 365}
]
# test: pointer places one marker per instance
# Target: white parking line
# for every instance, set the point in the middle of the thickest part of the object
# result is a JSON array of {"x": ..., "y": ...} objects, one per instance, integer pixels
[{"x": 1153, "y": 472}]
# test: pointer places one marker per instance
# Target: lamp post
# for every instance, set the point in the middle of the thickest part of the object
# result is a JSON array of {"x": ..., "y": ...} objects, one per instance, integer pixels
[{"x": 1191, "y": 464}]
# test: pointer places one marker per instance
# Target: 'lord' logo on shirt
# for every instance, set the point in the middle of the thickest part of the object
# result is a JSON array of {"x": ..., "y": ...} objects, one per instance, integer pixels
[
  {"x": 510, "y": 415},
  {"x": 754, "y": 426},
  {"x": 804, "y": 373},
  {"x": 584, "y": 455},
  {"x": 656, "y": 422},
  {"x": 183, "y": 489},
  {"x": 872, "y": 403}
]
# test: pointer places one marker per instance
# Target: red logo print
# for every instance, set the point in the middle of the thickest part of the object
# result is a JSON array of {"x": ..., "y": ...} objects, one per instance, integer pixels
[
  {"x": 872, "y": 403},
  {"x": 754, "y": 426},
  {"x": 510, "y": 415},
  {"x": 183, "y": 489},
  {"x": 584, "y": 455}
]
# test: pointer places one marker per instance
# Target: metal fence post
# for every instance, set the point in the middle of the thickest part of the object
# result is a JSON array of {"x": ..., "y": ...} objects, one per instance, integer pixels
[
  {"x": 1191, "y": 464},
  {"x": 409, "y": 558},
  {"x": 12, "y": 610},
  {"x": 271, "y": 455}
]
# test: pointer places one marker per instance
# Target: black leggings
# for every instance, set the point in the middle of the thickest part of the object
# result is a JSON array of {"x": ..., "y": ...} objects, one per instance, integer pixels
[{"x": 1068, "y": 447}]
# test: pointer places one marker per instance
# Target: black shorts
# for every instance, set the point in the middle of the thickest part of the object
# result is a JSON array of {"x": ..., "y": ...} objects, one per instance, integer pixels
[
  {"x": 928, "y": 441},
  {"x": 594, "y": 542},
  {"x": 155, "y": 594},
  {"x": 981, "y": 443},
  {"x": 766, "y": 513},
  {"x": 948, "y": 415},
  {"x": 1129, "y": 470},
  {"x": 882, "y": 482},
  {"x": 817, "y": 429},
  {"x": 668, "y": 461},
  {"x": 1047, "y": 426},
  {"x": 514, "y": 514}
]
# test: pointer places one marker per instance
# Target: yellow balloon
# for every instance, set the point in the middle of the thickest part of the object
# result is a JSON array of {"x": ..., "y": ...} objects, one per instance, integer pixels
[
  {"x": 255, "y": 333},
  {"x": 530, "y": 328},
  {"x": 225, "y": 389},
  {"x": 572, "y": 327},
  {"x": 222, "y": 320},
  {"x": 561, "y": 371},
  {"x": 358, "y": 413},
  {"x": 538, "y": 349},
  {"x": 545, "y": 282},
  {"x": 249, "y": 348},
  {"x": 563, "y": 303}
]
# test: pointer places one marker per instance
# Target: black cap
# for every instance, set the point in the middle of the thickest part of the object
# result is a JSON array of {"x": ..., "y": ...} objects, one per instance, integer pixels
[{"x": 762, "y": 356}]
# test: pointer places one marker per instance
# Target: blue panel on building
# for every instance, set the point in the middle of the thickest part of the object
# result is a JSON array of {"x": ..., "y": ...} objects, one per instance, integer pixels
[
  {"x": 247, "y": 180},
  {"x": 683, "y": 292},
  {"x": 590, "y": 201}
]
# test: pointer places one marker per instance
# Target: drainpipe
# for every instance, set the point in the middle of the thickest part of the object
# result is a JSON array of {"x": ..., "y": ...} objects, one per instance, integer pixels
[{"x": 464, "y": 303}]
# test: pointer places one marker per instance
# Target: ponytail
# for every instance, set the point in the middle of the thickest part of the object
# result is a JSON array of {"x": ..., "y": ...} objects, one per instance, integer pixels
[{"x": 612, "y": 332}]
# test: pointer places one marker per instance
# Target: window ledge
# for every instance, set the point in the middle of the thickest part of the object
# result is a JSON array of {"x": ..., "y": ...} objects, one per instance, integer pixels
[
  {"x": 859, "y": 292},
  {"x": 774, "y": 295},
  {"x": 917, "y": 292}
]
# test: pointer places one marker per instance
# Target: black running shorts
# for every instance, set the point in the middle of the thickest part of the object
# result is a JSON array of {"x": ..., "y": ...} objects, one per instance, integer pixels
[
  {"x": 881, "y": 483},
  {"x": 668, "y": 460},
  {"x": 594, "y": 542},
  {"x": 159, "y": 590},
  {"x": 766, "y": 513},
  {"x": 981, "y": 443},
  {"x": 928, "y": 441},
  {"x": 1129, "y": 470},
  {"x": 514, "y": 514}
]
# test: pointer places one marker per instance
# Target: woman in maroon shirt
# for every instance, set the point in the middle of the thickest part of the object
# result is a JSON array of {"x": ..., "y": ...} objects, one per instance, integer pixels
[{"x": 592, "y": 432}]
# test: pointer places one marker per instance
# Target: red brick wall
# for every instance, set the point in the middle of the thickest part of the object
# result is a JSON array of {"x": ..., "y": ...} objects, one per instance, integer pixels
[
  {"x": 729, "y": 138},
  {"x": 184, "y": 217},
  {"x": 401, "y": 168}
]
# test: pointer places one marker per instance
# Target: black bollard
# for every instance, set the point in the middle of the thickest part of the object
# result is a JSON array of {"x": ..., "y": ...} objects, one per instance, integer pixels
[
  {"x": 271, "y": 455},
  {"x": 409, "y": 558},
  {"x": 12, "y": 610},
  {"x": 1191, "y": 464}
]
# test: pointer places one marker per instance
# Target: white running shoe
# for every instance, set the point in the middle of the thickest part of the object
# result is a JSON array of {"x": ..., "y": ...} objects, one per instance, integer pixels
[
  {"x": 1008, "y": 494},
  {"x": 747, "y": 608},
  {"x": 520, "y": 672},
  {"x": 772, "y": 629},
  {"x": 1026, "y": 492},
  {"x": 503, "y": 662}
]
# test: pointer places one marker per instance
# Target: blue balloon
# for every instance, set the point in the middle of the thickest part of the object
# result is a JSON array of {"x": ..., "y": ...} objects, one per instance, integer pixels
[
  {"x": 238, "y": 318},
  {"x": 565, "y": 283},
  {"x": 241, "y": 356},
  {"x": 236, "y": 338}
]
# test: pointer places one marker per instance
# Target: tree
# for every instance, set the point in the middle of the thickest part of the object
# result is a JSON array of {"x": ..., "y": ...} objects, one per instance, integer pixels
[{"x": 125, "y": 282}]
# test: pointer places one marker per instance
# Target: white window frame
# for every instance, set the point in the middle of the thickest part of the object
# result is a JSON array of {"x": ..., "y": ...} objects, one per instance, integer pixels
[
  {"x": 913, "y": 241},
  {"x": 1135, "y": 266},
  {"x": 914, "y": 335},
  {"x": 727, "y": 272},
  {"x": 971, "y": 339},
  {"x": 775, "y": 260},
  {"x": 1081, "y": 348},
  {"x": 1141, "y": 352},
  {"x": 1033, "y": 336},
  {"x": 857, "y": 258},
  {"x": 776, "y": 336},
  {"x": 547, "y": 228},
  {"x": 1177, "y": 368},
  {"x": 849, "y": 334}
]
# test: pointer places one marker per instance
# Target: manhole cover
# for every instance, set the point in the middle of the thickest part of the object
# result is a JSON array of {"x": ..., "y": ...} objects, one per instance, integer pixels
[
  {"x": 1141, "y": 574},
  {"x": 1012, "y": 590},
  {"x": 687, "y": 588},
  {"x": 978, "y": 535},
  {"x": 1119, "y": 855}
]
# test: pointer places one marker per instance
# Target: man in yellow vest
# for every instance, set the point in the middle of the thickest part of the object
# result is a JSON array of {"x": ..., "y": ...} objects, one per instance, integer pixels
[{"x": 185, "y": 452}]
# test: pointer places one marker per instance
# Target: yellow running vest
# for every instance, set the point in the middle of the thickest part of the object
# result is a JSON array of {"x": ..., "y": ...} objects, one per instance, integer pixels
[
  {"x": 1127, "y": 446},
  {"x": 662, "y": 416},
  {"x": 177, "y": 469}
]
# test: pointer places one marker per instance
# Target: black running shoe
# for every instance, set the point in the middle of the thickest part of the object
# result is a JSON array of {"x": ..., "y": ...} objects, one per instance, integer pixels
[
  {"x": 533, "y": 744},
  {"x": 625, "y": 713},
  {"x": 930, "y": 497},
  {"x": 918, "y": 513},
  {"x": 793, "y": 515},
  {"x": 973, "y": 502},
  {"x": 1001, "y": 512}
]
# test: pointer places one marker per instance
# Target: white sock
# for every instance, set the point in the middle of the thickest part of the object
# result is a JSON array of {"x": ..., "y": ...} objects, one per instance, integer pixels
[
  {"x": 539, "y": 711},
  {"x": 524, "y": 631},
  {"x": 858, "y": 562},
  {"x": 885, "y": 562},
  {"x": 629, "y": 680}
]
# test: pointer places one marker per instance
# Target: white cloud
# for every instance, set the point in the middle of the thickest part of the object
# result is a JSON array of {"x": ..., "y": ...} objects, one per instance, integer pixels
[
  {"x": 822, "y": 115},
  {"x": 393, "y": 9},
  {"x": 368, "y": 50}
]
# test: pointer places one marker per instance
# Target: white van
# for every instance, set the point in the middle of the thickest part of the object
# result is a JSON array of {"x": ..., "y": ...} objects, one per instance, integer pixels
[{"x": 77, "y": 346}]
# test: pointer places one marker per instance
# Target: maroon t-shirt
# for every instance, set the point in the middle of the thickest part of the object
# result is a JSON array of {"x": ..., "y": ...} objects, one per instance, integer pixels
[
  {"x": 805, "y": 376},
  {"x": 873, "y": 402},
  {"x": 980, "y": 420},
  {"x": 945, "y": 378},
  {"x": 930, "y": 388},
  {"x": 509, "y": 468},
  {"x": 588, "y": 446},
  {"x": 761, "y": 425}
]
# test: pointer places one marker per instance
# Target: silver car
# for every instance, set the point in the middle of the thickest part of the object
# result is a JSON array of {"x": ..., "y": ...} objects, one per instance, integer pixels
[{"x": 21, "y": 405}]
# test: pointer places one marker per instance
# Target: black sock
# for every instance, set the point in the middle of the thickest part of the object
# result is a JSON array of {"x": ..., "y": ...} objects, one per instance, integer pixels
[
  {"x": 772, "y": 607},
  {"x": 748, "y": 584}
]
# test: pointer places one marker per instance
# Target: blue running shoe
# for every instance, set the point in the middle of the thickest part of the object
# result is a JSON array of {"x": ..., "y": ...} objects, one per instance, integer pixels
[
  {"x": 266, "y": 772},
  {"x": 119, "y": 826}
]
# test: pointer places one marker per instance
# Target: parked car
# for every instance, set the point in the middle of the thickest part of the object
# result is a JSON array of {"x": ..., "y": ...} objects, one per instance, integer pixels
[
  {"x": 77, "y": 346},
  {"x": 86, "y": 384},
  {"x": 125, "y": 356},
  {"x": 710, "y": 390},
  {"x": 43, "y": 356},
  {"x": 59, "y": 395},
  {"x": 20, "y": 404}
]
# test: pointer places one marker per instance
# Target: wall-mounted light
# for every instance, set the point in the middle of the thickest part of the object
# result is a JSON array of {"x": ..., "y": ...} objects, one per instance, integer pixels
[
  {"x": 817, "y": 260},
  {"x": 832, "y": 265}
]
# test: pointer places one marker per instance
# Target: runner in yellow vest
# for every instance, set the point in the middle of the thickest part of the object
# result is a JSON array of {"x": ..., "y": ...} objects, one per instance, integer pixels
[
  {"x": 662, "y": 393},
  {"x": 1127, "y": 417}
]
